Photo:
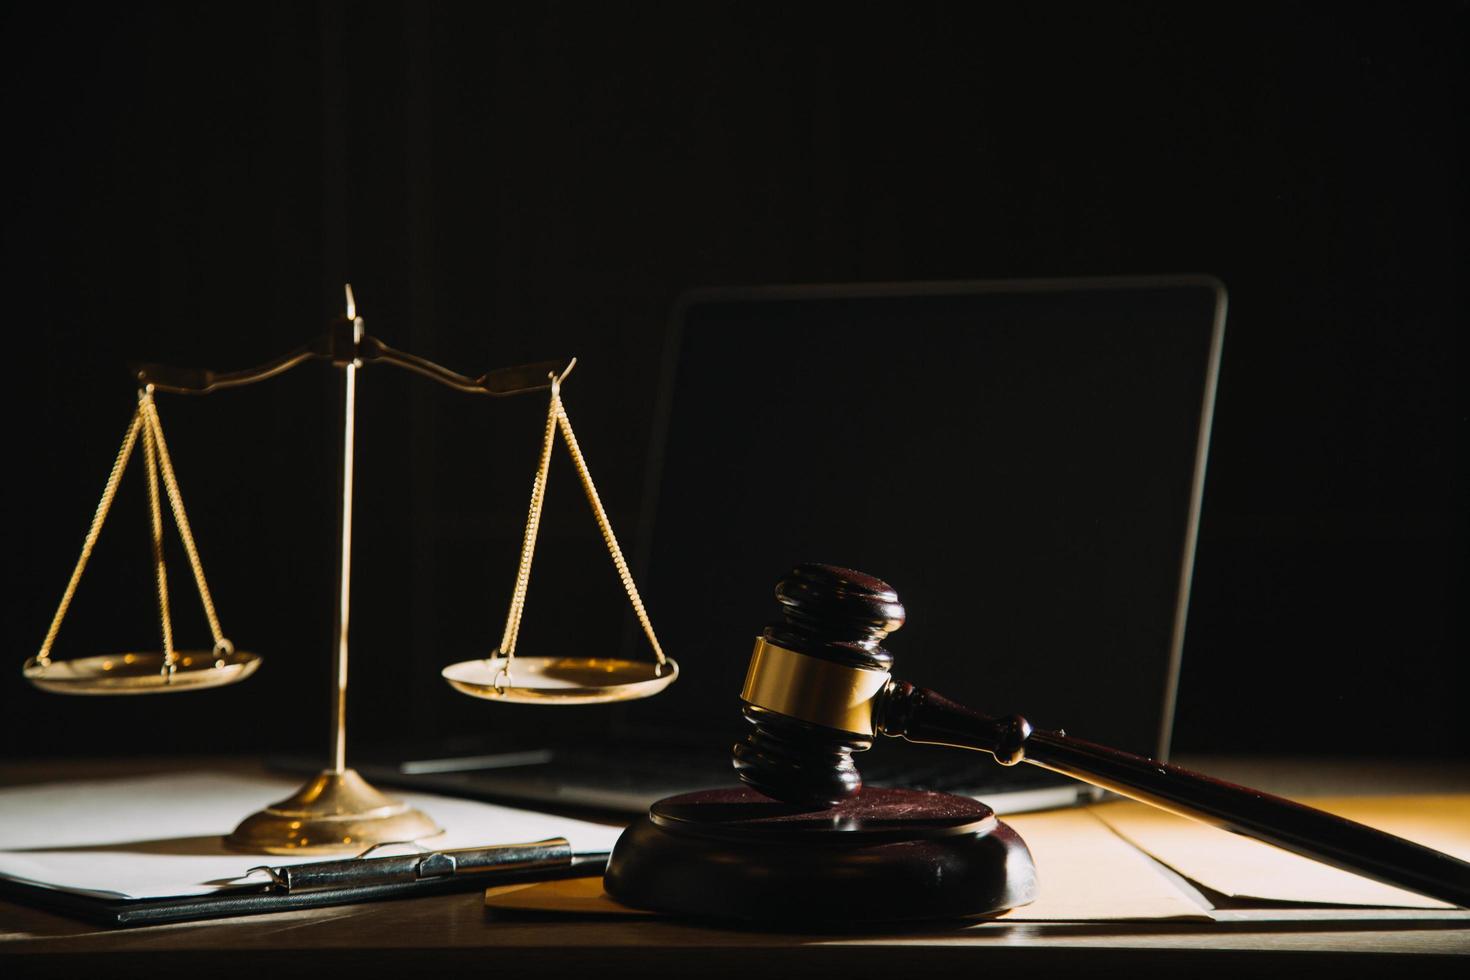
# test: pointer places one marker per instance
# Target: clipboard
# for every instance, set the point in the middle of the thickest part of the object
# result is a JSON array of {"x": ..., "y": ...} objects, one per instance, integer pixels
[
  {"x": 144, "y": 850},
  {"x": 261, "y": 899}
]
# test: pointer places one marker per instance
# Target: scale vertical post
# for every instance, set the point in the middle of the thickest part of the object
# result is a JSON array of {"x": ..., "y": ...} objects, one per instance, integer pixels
[
  {"x": 344, "y": 573},
  {"x": 337, "y": 810}
]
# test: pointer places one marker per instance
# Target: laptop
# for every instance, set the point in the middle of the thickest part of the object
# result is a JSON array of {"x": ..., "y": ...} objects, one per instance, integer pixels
[{"x": 1023, "y": 461}]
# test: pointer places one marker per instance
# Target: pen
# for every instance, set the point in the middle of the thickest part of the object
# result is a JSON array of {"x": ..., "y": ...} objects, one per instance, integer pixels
[{"x": 552, "y": 854}]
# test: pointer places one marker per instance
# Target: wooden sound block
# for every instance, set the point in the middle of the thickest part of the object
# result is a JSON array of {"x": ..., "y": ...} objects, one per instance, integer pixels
[{"x": 886, "y": 855}]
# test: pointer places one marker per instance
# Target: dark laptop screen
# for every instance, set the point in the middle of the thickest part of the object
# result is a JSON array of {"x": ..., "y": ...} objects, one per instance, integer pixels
[{"x": 1017, "y": 462}]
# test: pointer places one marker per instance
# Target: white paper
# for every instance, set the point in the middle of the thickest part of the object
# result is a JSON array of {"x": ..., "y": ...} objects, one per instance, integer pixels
[
  {"x": 160, "y": 836},
  {"x": 1247, "y": 869},
  {"x": 1086, "y": 873}
]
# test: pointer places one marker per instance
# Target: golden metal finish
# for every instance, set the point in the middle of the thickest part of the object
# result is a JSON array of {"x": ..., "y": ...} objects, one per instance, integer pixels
[
  {"x": 561, "y": 680},
  {"x": 812, "y": 689},
  {"x": 160, "y": 573},
  {"x": 533, "y": 525},
  {"x": 340, "y": 344},
  {"x": 143, "y": 673},
  {"x": 333, "y": 813},
  {"x": 344, "y": 568},
  {"x": 603, "y": 523},
  {"x": 181, "y": 521},
  {"x": 338, "y": 810},
  {"x": 109, "y": 493}
]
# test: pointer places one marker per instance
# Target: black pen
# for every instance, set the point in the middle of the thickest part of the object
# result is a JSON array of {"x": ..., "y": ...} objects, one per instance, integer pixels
[{"x": 554, "y": 854}]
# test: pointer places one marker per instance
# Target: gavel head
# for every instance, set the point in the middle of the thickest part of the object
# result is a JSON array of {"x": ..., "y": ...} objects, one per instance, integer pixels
[{"x": 813, "y": 683}]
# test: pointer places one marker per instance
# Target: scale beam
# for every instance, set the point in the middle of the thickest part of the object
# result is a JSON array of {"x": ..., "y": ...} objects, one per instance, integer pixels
[
  {"x": 342, "y": 346},
  {"x": 338, "y": 810}
]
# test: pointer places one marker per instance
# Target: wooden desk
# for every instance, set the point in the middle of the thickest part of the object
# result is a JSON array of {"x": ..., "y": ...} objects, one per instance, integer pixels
[{"x": 454, "y": 934}]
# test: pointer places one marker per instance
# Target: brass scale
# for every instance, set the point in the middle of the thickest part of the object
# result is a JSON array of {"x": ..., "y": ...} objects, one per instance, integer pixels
[{"x": 337, "y": 810}]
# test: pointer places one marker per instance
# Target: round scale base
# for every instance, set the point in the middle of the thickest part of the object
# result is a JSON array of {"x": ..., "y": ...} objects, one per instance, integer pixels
[
  {"x": 560, "y": 680},
  {"x": 335, "y": 812},
  {"x": 141, "y": 673},
  {"x": 887, "y": 855}
]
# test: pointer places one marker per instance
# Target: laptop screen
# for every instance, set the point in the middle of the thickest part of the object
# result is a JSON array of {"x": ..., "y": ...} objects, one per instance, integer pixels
[{"x": 1019, "y": 461}]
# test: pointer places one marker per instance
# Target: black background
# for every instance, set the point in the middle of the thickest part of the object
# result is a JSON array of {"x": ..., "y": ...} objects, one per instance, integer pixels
[{"x": 505, "y": 183}]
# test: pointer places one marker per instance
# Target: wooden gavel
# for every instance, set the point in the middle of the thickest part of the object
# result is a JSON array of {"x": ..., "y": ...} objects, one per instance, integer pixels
[{"x": 819, "y": 688}]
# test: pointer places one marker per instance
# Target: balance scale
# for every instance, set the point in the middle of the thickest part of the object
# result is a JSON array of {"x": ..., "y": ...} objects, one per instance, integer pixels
[{"x": 338, "y": 810}]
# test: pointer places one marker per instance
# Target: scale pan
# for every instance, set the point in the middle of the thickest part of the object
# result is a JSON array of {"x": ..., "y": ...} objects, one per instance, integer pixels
[
  {"x": 560, "y": 680},
  {"x": 141, "y": 673}
]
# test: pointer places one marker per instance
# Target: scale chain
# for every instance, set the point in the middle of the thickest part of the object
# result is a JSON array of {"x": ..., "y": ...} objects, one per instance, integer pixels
[
  {"x": 157, "y": 462},
  {"x": 109, "y": 493},
  {"x": 186, "y": 534},
  {"x": 533, "y": 524},
  {"x": 150, "y": 459},
  {"x": 607, "y": 530},
  {"x": 556, "y": 418}
]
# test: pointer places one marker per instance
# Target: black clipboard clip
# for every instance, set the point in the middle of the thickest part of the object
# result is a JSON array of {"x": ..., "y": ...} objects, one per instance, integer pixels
[{"x": 364, "y": 871}]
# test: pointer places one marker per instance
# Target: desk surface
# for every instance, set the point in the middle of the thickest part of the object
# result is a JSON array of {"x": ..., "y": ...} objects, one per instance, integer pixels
[{"x": 454, "y": 932}]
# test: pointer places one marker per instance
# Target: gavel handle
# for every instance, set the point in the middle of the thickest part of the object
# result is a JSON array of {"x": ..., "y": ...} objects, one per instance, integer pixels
[{"x": 921, "y": 715}]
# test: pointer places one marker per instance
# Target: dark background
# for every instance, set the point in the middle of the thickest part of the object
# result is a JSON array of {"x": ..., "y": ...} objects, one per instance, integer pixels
[{"x": 505, "y": 183}]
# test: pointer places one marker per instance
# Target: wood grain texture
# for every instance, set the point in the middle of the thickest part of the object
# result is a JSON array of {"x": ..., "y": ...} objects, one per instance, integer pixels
[{"x": 455, "y": 934}]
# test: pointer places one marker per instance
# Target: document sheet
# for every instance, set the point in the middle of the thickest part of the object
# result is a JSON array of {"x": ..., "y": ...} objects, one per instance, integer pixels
[
  {"x": 161, "y": 836},
  {"x": 1240, "y": 868}
]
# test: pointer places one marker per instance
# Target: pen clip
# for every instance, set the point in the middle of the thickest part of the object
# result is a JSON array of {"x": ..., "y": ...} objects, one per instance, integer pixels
[
  {"x": 280, "y": 879},
  {"x": 364, "y": 871},
  {"x": 396, "y": 843}
]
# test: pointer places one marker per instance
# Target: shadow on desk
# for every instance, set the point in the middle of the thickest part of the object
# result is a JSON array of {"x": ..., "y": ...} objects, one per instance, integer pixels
[
  {"x": 208, "y": 846},
  {"x": 454, "y": 935}
]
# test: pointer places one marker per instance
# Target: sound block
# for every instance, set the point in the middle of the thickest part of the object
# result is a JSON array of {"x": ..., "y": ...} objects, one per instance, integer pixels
[{"x": 886, "y": 855}]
